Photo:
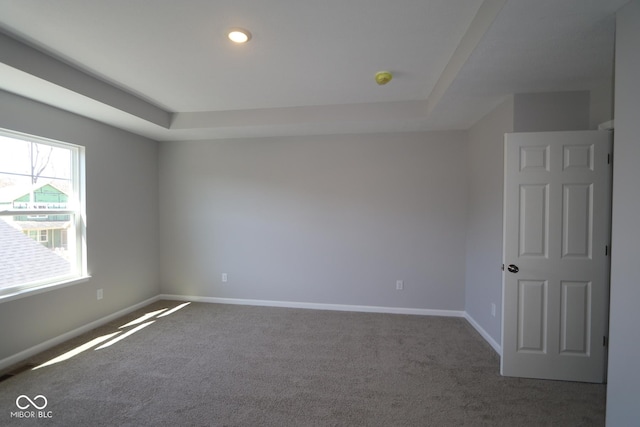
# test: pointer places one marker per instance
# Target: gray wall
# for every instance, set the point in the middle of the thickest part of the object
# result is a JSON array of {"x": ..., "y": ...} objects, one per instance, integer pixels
[
  {"x": 601, "y": 102},
  {"x": 551, "y": 111},
  {"x": 122, "y": 226},
  {"x": 484, "y": 226},
  {"x": 331, "y": 219},
  {"x": 623, "y": 391}
]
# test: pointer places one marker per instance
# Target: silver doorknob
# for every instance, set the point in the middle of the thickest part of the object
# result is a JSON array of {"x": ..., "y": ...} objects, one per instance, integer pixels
[{"x": 513, "y": 268}]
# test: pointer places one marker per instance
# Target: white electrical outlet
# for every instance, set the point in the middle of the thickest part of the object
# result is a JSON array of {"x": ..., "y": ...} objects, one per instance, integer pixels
[
  {"x": 493, "y": 309},
  {"x": 224, "y": 278},
  {"x": 399, "y": 285},
  {"x": 99, "y": 294}
]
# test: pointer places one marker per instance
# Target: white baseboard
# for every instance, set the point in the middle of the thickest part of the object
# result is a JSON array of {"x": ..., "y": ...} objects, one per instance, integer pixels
[
  {"x": 343, "y": 307},
  {"x": 497, "y": 347},
  {"x": 25, "y": 354},
  {"x": 16, "y": 358},
  {"x": 317, "y": 306}
]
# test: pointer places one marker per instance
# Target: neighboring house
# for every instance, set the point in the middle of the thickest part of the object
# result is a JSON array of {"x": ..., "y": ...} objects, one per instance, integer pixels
[
  {"x": 24, "y": 261},
  {"x": 49, "y": 230}
]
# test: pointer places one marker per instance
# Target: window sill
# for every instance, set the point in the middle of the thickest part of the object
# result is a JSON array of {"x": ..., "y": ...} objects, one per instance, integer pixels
[{"x": 44, "y": 288}]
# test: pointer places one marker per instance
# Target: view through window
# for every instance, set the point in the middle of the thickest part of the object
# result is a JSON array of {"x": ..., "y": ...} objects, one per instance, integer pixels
[{"x": 41, "y": 212}]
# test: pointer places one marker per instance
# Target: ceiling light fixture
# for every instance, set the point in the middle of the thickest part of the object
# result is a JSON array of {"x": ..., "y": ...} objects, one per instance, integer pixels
[
  {"x": 239, "y": 35},
  {"x": 383, "y": 77}
]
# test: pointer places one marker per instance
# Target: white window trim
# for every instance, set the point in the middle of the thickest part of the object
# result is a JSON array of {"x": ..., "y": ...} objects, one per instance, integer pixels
[
  {"x": 34, "y": 290},
  {"x": 76, "y": 207}
]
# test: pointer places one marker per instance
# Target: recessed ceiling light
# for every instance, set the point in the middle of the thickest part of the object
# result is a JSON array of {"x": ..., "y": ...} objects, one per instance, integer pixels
[{"x": 239, "y": 35}]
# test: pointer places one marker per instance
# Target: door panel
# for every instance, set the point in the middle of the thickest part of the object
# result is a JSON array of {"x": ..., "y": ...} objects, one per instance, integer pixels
[
  {"x": 534, "y": 221},
  {"x": 534, "y": 158},
  {"x": 532, "y": 316},
  {"x": 576, "y": 318},
  {"x": 577, "y": 212},
  {"x": 556, "y": 231},
  {"x": 578, "y": 157}
]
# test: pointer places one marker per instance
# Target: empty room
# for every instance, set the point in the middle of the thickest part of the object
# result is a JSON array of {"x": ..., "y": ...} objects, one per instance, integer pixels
[{"x": 333, "y": 213}]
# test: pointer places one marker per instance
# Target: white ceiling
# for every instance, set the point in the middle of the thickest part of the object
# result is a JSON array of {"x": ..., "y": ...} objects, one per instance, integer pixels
[{"x": 309, "y": 67}]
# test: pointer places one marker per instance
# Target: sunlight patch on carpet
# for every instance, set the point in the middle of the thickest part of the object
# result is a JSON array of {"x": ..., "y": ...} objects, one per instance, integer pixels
[
  {"x": 143, "y": 318},
  {"x": 174, "y": 309},
  {"x": 125, "y": 335},
  {"x": 84, "y": 347}
]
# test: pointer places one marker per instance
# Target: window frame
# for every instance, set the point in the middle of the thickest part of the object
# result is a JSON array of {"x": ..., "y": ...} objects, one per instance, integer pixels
[{"x": 76, "y": 209}]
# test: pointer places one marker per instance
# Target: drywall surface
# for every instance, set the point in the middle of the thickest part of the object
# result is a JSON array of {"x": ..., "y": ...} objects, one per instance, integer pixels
[
  {"x": 330, "y": 219},
  {"x": 551, "y": 111},
  {"x": 623, "y": 390},
  {"x": 484, "y": 225},
  {"x": 122, "y": 226},
  {"x": 601, "y": 104}
]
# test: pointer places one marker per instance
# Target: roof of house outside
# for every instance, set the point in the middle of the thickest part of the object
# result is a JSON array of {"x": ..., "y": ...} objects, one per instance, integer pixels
[
  {"x": 43, "y": 225},
  {"x": 12, "y": 192},
  {"x": 23, "y": 260}
]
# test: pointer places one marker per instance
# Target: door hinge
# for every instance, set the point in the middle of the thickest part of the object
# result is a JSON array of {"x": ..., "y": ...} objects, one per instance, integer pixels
[
  {"x": 502, "y": 267},
  {"x": 606, "y": 250},
  {"x": 604, "y": 341},
  {"x": 608, "y": 159}
]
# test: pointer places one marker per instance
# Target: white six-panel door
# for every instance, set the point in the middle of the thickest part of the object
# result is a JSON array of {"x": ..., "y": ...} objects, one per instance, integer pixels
[{"x": 556, "y": 244}]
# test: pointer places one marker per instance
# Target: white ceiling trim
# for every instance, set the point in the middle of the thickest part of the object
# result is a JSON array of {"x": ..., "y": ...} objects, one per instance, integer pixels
[
  {"x": 30, "y": 61},
  {"x": 508, "y": 47},
  {"x": 481, "y": 22}
]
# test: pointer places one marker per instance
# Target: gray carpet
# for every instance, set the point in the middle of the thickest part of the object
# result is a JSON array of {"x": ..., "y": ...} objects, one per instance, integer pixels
[{"x": 226, "y": 365}]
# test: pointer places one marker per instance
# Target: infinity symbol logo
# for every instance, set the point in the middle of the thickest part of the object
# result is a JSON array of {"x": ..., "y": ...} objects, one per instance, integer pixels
[{"x": 22, "y": 397}]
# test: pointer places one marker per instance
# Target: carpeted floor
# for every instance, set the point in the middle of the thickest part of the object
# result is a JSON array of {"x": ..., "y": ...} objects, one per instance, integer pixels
[{"x": 228, "y": 365}]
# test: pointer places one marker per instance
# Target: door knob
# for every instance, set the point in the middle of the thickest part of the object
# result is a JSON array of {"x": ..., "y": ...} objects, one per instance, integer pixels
[{"x": 513, "y": 268}]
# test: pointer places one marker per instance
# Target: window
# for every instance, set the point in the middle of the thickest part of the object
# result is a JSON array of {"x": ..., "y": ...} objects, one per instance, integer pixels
[
  {"x": 42, "y": 214},
  {"x": 38, "y": 235}
]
